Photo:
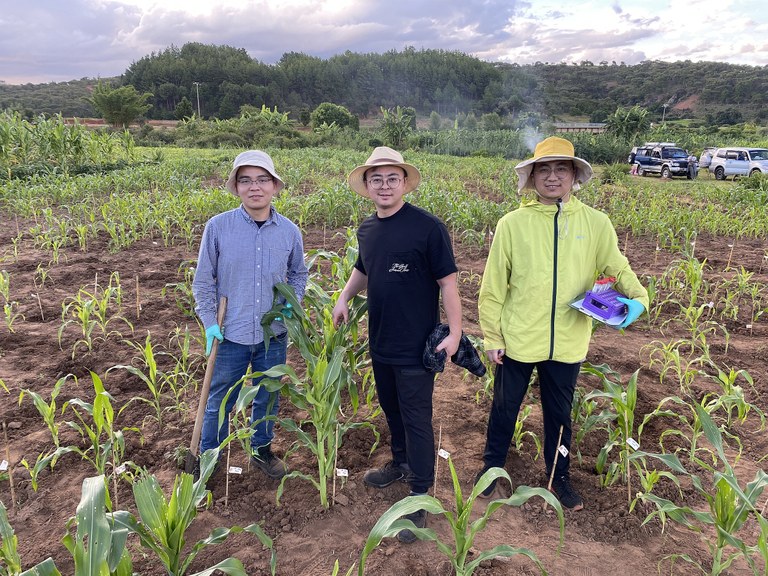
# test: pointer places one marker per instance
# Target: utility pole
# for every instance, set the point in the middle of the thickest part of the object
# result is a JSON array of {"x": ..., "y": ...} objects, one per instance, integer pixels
[
  {"x": 663, "y": 114},
  {"x": 197, "y": 88}
]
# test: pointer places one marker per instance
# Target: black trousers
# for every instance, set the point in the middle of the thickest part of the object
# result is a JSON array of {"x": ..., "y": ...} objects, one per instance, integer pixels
[
  {"x": 557, "y": 381},
  {"x": 405, "y": 396}
]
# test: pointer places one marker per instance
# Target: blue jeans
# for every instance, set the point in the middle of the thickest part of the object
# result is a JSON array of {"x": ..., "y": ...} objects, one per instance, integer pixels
[{"x": 232, "y": 361}]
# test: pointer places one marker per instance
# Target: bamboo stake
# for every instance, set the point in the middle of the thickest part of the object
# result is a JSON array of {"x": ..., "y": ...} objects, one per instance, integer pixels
[
  {"x": 40, "y": 304},
  {"x": 226, "y": 484},
  {"x": 10, "y": 469},
  {"x": 730, "y": 254},
  {"x": 437, "y": 458},
  {"x": 335, "y": 462},
  {"x": 629, "y": 483},
  {"x": 138, "y": 301},
  {"x": 626, "y": 243},
  {"x": 554, "y": 464}
]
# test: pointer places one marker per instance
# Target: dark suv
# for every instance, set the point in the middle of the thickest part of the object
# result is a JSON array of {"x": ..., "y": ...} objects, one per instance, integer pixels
[{"x": 663, "y": 158}]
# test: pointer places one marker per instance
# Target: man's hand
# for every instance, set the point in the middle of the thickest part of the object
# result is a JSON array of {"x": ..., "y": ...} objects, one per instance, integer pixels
[
  {"x": 495, "y": 356},
  {"x": 340, "y": 313},
  {"x": 450, "y": 344},
  {"x": 213, "y": 331}
]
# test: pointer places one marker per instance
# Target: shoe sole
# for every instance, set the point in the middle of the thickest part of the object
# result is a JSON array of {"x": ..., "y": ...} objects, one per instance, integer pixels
[{"x": 576, "y": 508}]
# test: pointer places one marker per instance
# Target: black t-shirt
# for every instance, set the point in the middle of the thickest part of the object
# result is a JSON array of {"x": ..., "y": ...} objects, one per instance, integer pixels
[{"x": 403, "y": 256}]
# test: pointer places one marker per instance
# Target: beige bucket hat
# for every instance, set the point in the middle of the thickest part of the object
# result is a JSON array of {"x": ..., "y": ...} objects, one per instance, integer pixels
[
  {"x": 553, "y": 148},
  {"x": 253, "y": 158},
  {"x": 384, "y": 156}
]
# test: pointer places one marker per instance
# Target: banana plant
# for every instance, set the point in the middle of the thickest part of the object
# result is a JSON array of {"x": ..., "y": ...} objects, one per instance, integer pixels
[{"x": 462, "y": 530}]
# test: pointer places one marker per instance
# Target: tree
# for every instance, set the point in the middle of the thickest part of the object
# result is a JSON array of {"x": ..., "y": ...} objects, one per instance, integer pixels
[
  {"x": 328, "y": 113},
  {"x": 184, "y": 109},
  {"x": 396, "y": 124},
  {"x": 119, "y": 106},
  {"x": 435, "y": 121}
]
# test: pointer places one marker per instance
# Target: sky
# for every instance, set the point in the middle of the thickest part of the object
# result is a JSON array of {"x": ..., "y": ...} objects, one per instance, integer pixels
[{"x": 61, "y": 40}]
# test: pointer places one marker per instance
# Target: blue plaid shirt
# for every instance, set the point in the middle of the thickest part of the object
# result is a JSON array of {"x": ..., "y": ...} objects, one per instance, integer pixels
[{"x": 243, "y": 262}]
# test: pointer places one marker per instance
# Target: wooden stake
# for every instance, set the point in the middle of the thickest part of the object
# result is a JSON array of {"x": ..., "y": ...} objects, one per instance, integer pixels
[
  {"x": 42, "y": 314},
  {"x": 226, "y": 484},
  {"x": 730, "y": 254},
  {"x": 557, "y": 453},
  {"x": 629, "y": 483},
  {"x": 10, "y": 468},
  {"x": 626, "y": 243},
  {"x": 437, "y": 458}
]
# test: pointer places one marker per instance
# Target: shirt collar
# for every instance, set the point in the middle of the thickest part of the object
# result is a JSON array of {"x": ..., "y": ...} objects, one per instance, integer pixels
[{"x": 272, "y": 215}]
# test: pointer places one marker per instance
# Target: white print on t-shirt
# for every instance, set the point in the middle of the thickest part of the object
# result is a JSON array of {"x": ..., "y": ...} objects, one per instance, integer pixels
[{"x": 399, "y": 268}]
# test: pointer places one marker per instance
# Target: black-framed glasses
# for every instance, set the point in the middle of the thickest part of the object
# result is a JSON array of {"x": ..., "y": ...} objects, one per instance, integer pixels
[
  {"x": 377, "y": 182},
  {"x": 261, "y": 181}
]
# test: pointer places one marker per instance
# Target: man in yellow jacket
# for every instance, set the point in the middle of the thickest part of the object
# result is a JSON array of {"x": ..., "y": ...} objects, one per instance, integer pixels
[{"x": 544, "y": 255}]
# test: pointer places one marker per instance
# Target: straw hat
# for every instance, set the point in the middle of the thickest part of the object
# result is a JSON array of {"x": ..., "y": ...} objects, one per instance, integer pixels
[
  {"x": 255, "y": 158},
  {"x": 552, "y": 148},
  {"x": 383, "y": 156}
]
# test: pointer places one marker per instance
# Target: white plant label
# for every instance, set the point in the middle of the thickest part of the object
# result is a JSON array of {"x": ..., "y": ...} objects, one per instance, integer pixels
[
  {"x": 632, "y": 443},
  {"x": 563, "y": 450},
  {"x": 444, "y": 454},
  {"x": 235, "y": 470},
  {"x": 342, "y": 472},
  {"x": 3, "y": 465},
  {"x": 120, "y": 469}
]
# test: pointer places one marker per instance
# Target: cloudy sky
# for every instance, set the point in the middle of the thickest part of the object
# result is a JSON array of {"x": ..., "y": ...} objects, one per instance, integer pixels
[{"x": 60, "y": 40}]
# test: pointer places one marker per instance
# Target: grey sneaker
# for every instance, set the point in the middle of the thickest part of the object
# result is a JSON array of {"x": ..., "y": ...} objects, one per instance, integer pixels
[
  {"x": 419, "y": 519},
  {"x": 569, "y": 498},
  {"x": 386, "y": 475},
  {"x": 271, "y": 465}
]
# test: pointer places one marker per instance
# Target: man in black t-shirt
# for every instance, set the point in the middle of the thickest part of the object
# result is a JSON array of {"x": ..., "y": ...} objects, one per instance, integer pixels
[{"x": 405, "y": 262}]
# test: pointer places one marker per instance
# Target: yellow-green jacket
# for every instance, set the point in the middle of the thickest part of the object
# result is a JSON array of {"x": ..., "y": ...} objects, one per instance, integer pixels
[{"x": 540, "y": 261}]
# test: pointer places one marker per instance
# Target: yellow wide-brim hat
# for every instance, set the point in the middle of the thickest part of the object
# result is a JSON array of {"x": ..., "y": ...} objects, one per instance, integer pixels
[
  {"x": 552, "y": 148},
  {"x": 384, "y": 156}
]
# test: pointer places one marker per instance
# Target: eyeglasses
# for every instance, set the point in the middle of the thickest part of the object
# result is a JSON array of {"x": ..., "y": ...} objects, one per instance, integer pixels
[
  {"x": 545, "y": 171},
  {"x": 261, "y": 181},
  {"x": 377, "y": 182}
]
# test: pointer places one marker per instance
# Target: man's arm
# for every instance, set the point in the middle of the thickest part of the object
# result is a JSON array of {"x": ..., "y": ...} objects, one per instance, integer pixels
[
  {"x": 452, "y": 306},
  {"x": 357, "y": 283}
]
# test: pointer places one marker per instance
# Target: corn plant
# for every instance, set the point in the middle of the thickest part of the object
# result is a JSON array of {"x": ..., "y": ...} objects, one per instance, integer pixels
[
  {"x": 649, "y": 478},
  {"x": 95, "y": 422},
  {"x": 520, "y": 433},
  {"x": 43, "y": 461},
  {"x": 182, "y": 291},
  {"x": 729, "y": 506},
  {"x": 462, "y": 529},
  {"x": 586, "y": 418},
  {"x": 163, "y": 523},
  {"x": 48, "y": 409},
  {"x": 620, "y": 426},
  {"x": 732, "y": 397},
  {"x": 9, "y": 554},
  {"x": 330, "y": 369},
  {"x": 152, "y": 378},
  {"x": 98, "y": 546}
]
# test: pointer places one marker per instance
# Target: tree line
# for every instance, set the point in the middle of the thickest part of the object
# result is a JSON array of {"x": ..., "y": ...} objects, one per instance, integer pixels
[{"x": 219, "y": 80}]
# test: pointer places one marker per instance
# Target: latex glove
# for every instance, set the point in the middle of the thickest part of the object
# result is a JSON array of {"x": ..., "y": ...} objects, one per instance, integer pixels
[
  {"x": 286, "y": 311},
  {"x": 634, "y": 309},
  {"x": 213, "y": 331}
]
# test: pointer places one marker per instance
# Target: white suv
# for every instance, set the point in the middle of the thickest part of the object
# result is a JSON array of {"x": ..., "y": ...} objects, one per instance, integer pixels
[{"x": 736, "y": 161}]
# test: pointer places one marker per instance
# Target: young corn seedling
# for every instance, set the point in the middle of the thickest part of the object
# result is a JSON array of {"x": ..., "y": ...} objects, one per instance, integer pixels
[
  {"x": 48, "y": 409},
  {"x": 463, "y": 530},
  {"x": 163, "y": 523},
  {"x": 106, "y": 444},
  {"x": 729, "y": 506},
  {"x": 152, "y": 378},
  {"x": 9, "y": 554},
  {"x": 520, "y": 433}
]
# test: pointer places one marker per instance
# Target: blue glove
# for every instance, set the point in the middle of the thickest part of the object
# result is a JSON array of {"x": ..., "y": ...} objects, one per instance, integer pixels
[
  {"x": 286, "y": 311},
  {"x": 213, "y": 331},
  {"x": 634, "y": 309}
]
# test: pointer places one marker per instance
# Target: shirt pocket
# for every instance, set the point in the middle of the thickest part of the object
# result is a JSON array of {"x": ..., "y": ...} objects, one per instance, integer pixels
[{"x": 401, "y": 266}]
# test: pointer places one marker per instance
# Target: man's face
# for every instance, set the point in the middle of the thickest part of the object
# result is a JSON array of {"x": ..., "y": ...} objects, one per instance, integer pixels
[
  {"x": 553, "y": 180},
  {"x": 255, "y": 187},
  {"x": 386, "y": 187}
]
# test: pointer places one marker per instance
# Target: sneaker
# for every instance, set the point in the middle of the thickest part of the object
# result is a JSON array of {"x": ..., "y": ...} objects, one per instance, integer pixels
[
  {"x": 271, "y": 465},
  {"x": 488, "y": 492},
  {"x": 569, "y": 498},
  {"x": 419, "y": 518},
  {"x": 386, "y": 475}
]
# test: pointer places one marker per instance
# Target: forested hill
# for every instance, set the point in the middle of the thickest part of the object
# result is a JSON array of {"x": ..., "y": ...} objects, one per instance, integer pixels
[{"x": 444, "y": 81}]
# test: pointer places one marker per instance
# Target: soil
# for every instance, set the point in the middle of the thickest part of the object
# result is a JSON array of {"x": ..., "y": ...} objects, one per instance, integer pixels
[{"x": 601, "y": 538}]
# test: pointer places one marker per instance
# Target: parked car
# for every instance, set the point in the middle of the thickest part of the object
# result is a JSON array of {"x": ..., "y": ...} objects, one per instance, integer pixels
[
  {"x": 663, "y": 158},
  {"x": 739, "y": 161}
]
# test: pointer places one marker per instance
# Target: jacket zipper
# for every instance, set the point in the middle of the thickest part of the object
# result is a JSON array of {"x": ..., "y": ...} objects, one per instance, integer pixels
[{"x": 554, "y": 287}]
